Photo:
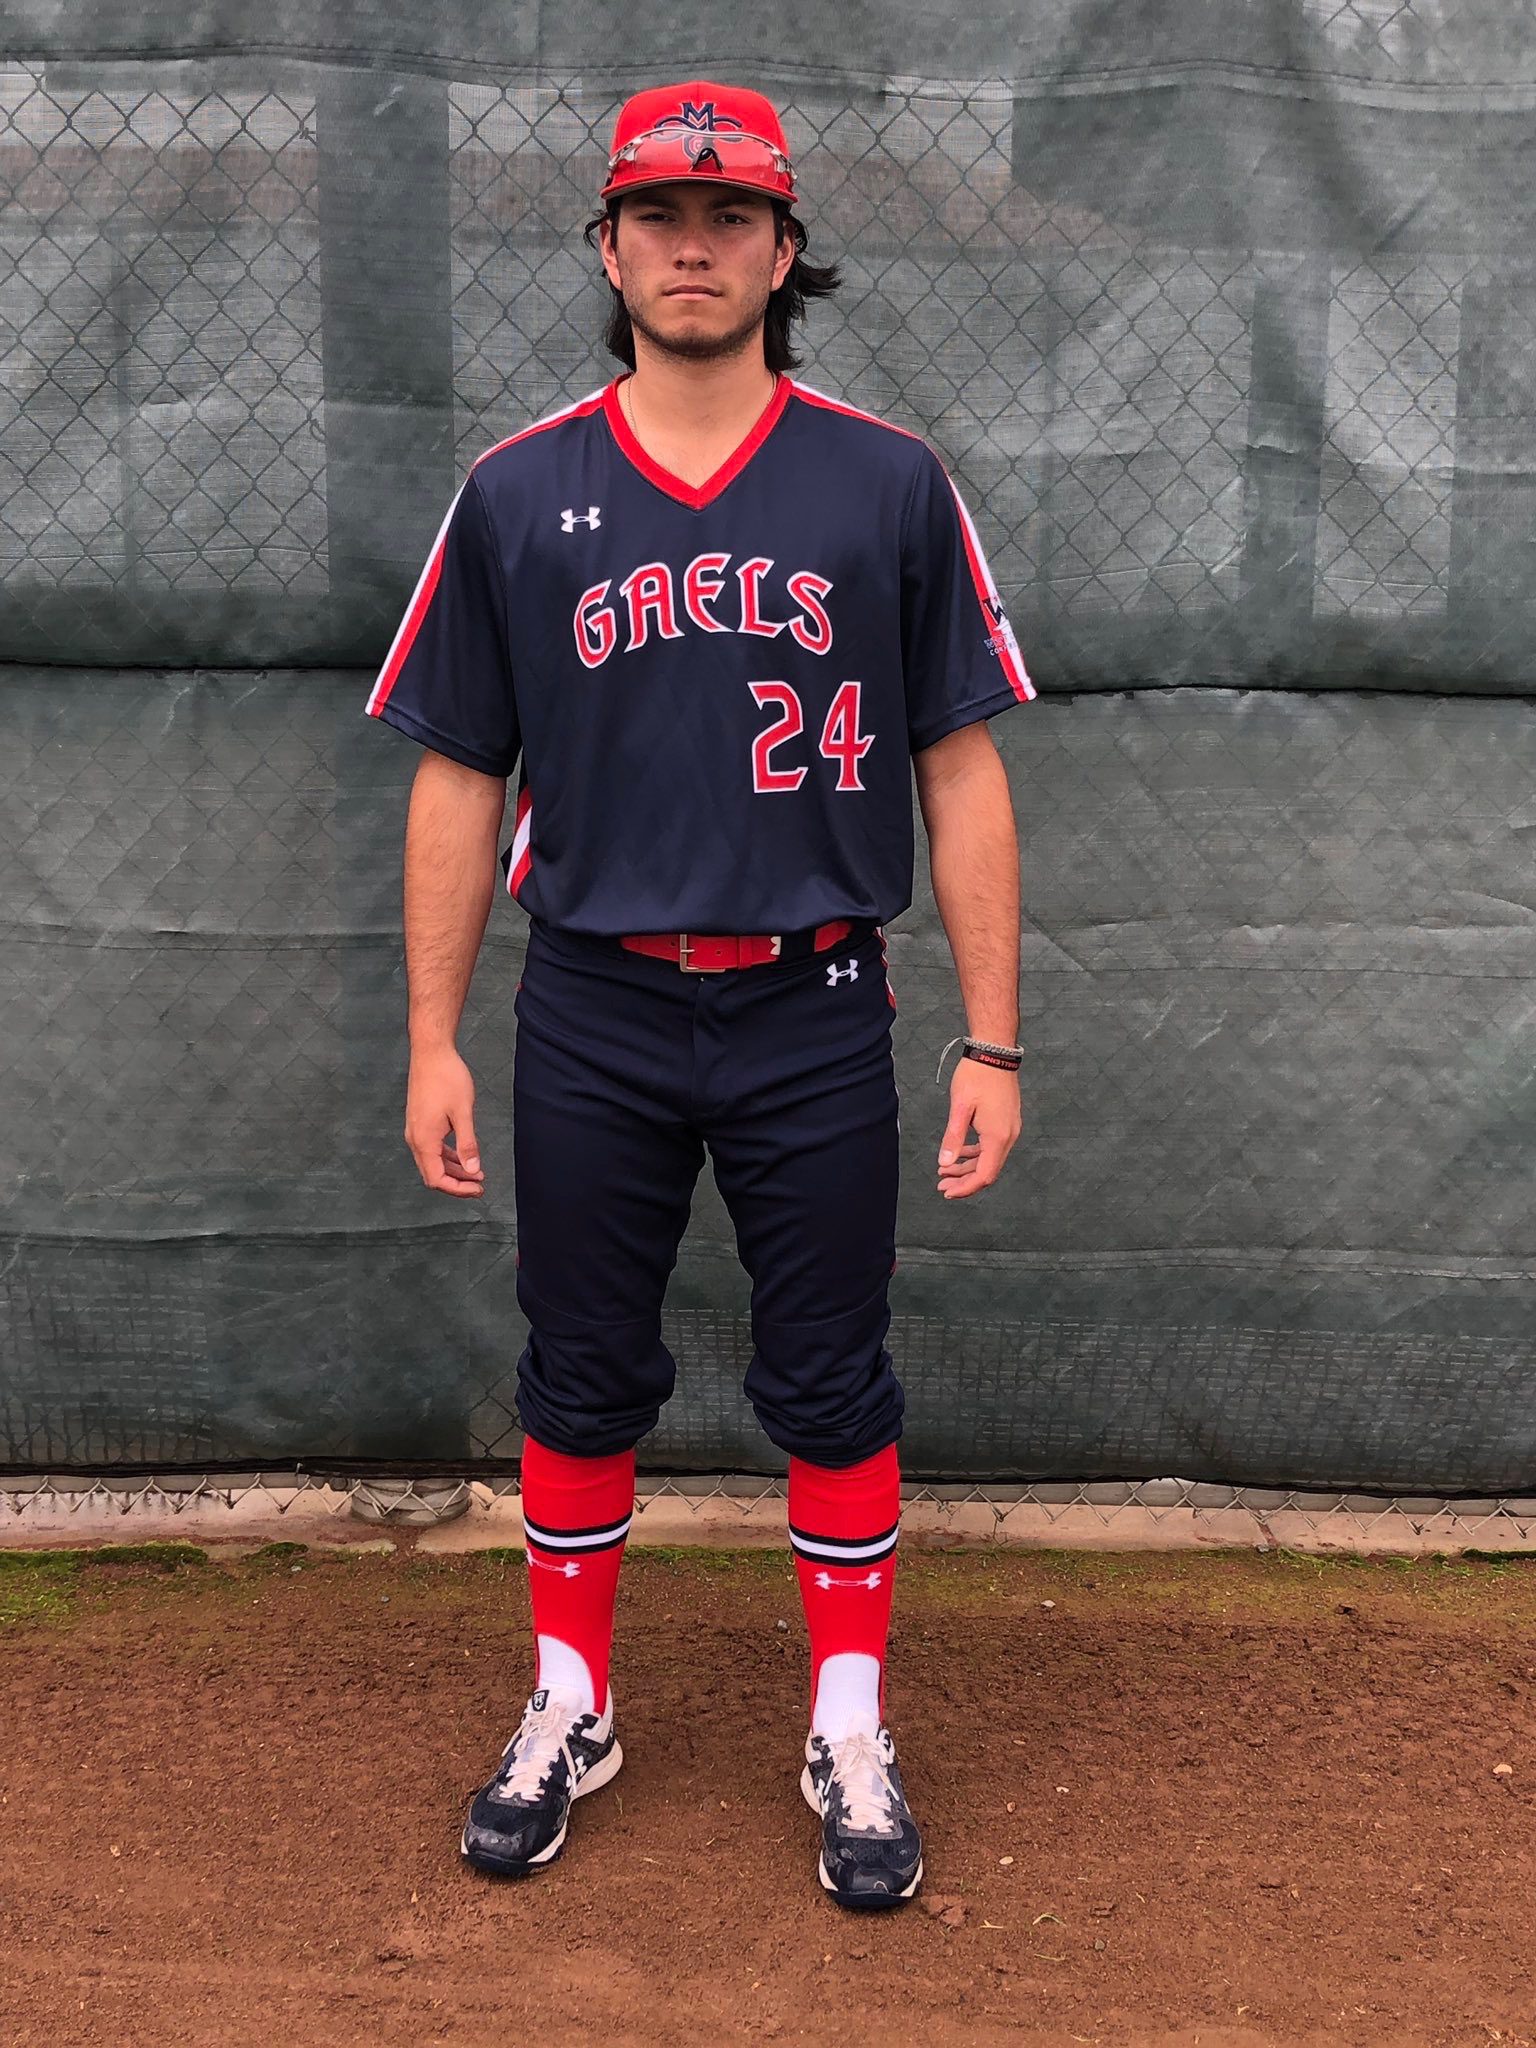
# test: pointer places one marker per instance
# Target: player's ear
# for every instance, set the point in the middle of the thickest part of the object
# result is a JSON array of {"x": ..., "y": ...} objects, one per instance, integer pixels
[
  {"x": 607, "y": 245},
  {"x": 784, "y": 261}
]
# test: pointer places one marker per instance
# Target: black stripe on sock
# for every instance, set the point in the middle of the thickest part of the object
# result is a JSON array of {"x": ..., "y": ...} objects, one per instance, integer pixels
[
  {"x": 577, "y": 1539},
  {"x": 846, "y": 1545}
]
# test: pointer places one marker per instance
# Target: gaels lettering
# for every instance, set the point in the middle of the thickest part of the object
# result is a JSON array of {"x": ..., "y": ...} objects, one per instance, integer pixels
[
  {"x": 750, "y": 576},
  {"x": 650, "y": 603},
  {"x": 649, "y": 593},
  {"x": 595, "y": 628},
  {"x": 702, "y": 584},
  {"x": 814, "y": 631}
]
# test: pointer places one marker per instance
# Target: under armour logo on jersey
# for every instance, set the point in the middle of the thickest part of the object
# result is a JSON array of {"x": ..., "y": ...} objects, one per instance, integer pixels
[
  {"x": 569, "y": 1570},
  {"x": 866, "y": 1581},
  {"x": 592, "y": 517},
  {"x": 836, "y": 974}
]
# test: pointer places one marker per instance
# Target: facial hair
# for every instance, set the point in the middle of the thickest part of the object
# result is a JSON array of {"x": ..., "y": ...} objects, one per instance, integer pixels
[{"x": 702, "y": 348}]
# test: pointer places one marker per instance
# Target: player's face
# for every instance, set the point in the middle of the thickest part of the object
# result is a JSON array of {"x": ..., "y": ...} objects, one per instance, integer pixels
[{"x": 696, "y": 267}]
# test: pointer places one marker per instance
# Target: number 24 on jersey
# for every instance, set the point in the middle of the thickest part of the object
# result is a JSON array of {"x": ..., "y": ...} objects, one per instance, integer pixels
[{"x": 841, "y": 741}]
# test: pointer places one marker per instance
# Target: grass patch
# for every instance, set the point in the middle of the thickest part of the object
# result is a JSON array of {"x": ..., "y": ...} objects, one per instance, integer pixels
[
  {"x": 37, "y": 1585},
  {"x": 45, "y": 1585},
  {"x": 165, "y": 1557},
  {"x": 38, "y": 1560},
  {"x": 711, "y": 1563}
]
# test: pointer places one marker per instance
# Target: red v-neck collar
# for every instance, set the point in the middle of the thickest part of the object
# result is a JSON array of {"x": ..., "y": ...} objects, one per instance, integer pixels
[{"x": 696, "y": 497}]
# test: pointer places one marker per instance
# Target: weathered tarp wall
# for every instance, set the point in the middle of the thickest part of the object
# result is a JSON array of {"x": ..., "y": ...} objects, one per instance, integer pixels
[{"x": 1224, "y": 317}]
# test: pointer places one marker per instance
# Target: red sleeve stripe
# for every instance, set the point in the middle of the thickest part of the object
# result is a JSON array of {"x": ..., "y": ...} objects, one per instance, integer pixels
[
  {"x": 998, "y": 629},
  {"x": 415, "y": 612},
  {"x": 519, "y": 854},
  {"x": 426, "y": 584}
]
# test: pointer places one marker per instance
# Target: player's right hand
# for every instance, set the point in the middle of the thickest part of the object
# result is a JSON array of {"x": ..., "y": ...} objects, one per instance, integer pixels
[{"x": 439, "y": 1123}]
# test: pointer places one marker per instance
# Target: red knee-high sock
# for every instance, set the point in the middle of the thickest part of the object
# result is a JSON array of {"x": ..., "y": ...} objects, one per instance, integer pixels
[
  {"x": 576, "y": 1515},
  {"x": 842, "y": 1526}
]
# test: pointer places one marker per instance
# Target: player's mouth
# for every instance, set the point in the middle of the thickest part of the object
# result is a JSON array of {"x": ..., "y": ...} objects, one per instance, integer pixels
[{"x": 690, "y": 291}]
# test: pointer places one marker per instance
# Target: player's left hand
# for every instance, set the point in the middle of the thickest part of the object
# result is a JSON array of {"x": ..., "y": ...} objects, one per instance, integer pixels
[{"x": 986, "y": 1099}]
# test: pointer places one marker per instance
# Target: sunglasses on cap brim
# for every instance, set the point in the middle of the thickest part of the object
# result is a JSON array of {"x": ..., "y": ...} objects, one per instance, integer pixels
[{"x": 720, "y": 153}]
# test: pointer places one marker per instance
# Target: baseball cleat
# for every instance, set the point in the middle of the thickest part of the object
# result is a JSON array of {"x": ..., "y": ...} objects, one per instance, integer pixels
[
  {"x": 518, "y": 1820},
  {"x": 871, "y": 1851}
]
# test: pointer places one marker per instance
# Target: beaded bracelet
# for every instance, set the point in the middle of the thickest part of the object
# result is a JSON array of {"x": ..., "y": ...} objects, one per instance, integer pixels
[{"x": 1008, "y": 1057}]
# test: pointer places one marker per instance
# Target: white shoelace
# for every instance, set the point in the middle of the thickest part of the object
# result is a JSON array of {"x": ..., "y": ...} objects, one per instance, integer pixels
[
  {"x": 535, "y": 1747},
  {"x": 869, "y": 1799}
]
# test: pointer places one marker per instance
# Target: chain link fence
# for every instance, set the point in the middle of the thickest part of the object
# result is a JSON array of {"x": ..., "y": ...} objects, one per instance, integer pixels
[
  {"x": 724, "y": 1509},
  {"x": 216, "y": 298},
  {"x": 1234, "y": 357}
]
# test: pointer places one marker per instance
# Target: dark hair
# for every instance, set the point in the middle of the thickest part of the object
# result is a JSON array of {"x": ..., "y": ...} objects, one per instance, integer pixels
[{"x": 805, "y": 281}]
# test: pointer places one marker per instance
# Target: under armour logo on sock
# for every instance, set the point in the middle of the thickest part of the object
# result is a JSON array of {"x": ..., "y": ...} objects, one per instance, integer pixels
[
  {"x": 569, "y": 1570},
  {"x": 592, "y": 517},
  {"x": 866, "y": 1581},
  {"x": 849, "y": 973}
]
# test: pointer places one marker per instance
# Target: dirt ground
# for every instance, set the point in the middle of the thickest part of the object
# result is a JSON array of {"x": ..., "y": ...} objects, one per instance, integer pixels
[{"x": 1233, "y": 1801}]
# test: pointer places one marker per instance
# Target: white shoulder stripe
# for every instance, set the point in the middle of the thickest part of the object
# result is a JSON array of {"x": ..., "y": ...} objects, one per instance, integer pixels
[
  {"x": 550, "y": 419},
  {"x": 856, "y": 412},
  {"x": 408, "y": 618}
]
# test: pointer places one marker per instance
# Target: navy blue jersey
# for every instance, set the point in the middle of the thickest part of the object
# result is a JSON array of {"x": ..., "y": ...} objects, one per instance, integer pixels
[{"x": 711, "y": 695}]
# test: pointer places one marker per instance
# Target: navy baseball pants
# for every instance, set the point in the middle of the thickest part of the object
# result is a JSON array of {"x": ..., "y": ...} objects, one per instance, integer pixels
[{"x": 627, "y": 1070}]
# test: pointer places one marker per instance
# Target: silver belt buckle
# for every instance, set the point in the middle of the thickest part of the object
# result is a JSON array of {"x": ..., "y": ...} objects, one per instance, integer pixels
[{"x": 684, "y": 961}]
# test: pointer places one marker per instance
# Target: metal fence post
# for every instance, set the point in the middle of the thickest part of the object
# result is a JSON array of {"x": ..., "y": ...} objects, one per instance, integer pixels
[
  {"x": 387, "y": 326},
  {"x": 1287, "y": 426},
  {"x": 1493, "y": 501}
]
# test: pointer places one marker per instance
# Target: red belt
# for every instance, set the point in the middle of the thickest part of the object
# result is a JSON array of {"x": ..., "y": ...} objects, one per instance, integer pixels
[{"x": 697, "y": 953}]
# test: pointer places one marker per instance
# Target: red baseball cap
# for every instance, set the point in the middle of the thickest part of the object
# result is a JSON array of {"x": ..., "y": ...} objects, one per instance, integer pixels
[{"x": 699, "y": 130}]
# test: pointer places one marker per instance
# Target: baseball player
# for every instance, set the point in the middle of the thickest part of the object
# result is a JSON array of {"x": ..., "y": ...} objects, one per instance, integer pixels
[{"x": 713, "y": 621}]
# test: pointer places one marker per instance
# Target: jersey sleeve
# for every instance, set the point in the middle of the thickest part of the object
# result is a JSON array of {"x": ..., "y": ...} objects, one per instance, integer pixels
[
  {"x": 959, "y": 657},
  {"x": 447, "y": 679}
]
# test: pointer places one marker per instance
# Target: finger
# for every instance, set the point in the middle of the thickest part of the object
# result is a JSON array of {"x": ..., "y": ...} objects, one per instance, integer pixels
[
  {"x": 435, "y": 1168},
  {"x": 982, "y": 1172},
  {"x": 956, "y": 1131},
  {"x": 458, "y": 1166},
  {"x": 435, "y": 1175},
  {"x": 462, "y": 1138}
]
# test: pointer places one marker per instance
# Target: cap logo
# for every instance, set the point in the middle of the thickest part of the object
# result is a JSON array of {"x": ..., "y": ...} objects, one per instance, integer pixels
[{"x": 702, "y": 121}]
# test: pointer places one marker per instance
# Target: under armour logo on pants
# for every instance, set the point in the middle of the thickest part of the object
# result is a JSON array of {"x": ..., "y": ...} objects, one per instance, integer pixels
[{"x": 834, "y": 975}]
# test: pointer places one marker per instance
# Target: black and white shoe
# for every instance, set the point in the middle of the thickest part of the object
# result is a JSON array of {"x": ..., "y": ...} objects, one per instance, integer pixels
[
  {"x": 871, "y": 1851},
  {"x": 518, "y": 1820}
]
